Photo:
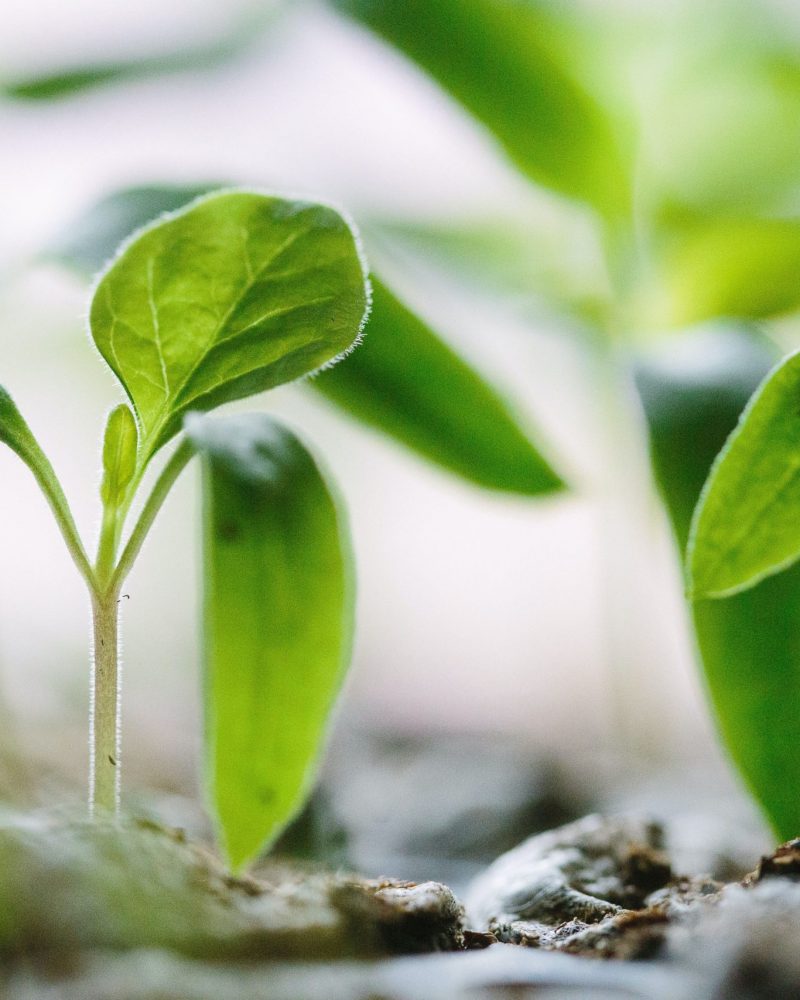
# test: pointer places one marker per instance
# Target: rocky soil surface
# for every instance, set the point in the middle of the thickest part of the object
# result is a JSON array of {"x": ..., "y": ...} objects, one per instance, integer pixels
[{"x": 590, "y": 909}]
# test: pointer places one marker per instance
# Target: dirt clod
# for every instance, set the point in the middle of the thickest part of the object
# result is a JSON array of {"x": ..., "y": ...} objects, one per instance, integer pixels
[{"x": 782, "y": 863}]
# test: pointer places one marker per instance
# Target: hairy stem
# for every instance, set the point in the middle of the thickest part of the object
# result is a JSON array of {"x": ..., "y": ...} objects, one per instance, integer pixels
[{"x": 104, "y": 713}]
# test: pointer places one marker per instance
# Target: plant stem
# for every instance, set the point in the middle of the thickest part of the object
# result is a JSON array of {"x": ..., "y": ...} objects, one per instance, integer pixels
[
  {"x": 161, "y": 488},
  {"x": 104, "y": 713}
]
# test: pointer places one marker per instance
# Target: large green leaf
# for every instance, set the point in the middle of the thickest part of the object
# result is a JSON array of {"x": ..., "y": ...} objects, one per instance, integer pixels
[
  {"x": 747, "y": 524},
  {"x": 406, "y": 382},
  {"x": 750, "y": 647},
  {"x": 750, "y": 642},
  {"x": 403, "y": 379},
  {"x": 17, "y": 435},
  {"x": 235, "y": 294},
  {"x": 278, "y": 623},
  {"x": 500, "y": 60}
]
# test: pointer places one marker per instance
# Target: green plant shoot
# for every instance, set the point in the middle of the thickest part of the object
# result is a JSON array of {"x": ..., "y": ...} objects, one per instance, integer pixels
[{"x": 232, "y": 295}]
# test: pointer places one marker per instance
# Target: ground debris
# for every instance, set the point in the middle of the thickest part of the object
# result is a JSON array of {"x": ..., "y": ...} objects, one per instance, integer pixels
[
  {"x": 784, "y": 862},
  {"x": 406, "y": 917},
  {"x": 71, "y": 885},
  {"x": 583, "y": 871},
  {"x": 600, "y": 886}
]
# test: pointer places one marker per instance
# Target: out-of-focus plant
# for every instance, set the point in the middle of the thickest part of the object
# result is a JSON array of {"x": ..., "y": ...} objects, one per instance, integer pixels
[
  {"x": 665, "y": 138},
  {"x": 235, "y": 294},
  {"x": 677, "y": 127}
]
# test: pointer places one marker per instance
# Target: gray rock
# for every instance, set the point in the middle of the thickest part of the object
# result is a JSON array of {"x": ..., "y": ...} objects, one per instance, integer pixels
[{"x": 585, "y": 871}]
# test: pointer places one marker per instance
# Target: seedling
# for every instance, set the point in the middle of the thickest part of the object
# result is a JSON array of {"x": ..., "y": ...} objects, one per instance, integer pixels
[
  {"x": 660, "y": 146},
  {"x": 235, "y": 294}
]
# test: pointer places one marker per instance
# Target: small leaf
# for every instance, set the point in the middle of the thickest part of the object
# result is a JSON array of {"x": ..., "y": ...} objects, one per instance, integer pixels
[
  {"x": 409, "y": 384},
  {"x": 92, "y": 238},
  {"x": 278, "y": 623},
  {"x": 235, "y": 294},
  {"x": 119, "y": 454},
  {"x": 504, "y": 62},
  {"x": 15, "y": 433},
  {"x": 747, "y": 523}
]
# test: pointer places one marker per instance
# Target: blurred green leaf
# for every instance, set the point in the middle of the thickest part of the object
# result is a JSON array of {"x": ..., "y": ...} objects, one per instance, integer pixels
[
  {"x": 502, "y": 60},
  {"x": 235, "y": 294},
  {"x": 750, "y": 642},
  {"x": 406, "y": 382},
  {"x": 747, "y": 524},
  {"x": 719, "y": 86},
  {"x": 278, "y": 623},
  {"x": 93, "y": 237},
  {"x": 741, "y": 268},
  {"x": 71, "y": 80},
  {"x": 553, "y": 257}
]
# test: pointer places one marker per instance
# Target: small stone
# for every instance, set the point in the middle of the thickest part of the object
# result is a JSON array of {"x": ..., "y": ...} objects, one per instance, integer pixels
[
  {"x": 782, "y": 863},
  {"x": 585, "y": 871}
]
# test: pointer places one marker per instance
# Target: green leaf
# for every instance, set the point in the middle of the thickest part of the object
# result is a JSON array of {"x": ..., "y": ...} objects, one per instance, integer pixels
[
  {"x": 407, "y": 383},
  {"x": 694, "y": 387},
  {"x": 750, "y": 642},
  {"x": 719, "y": 128},
  {"x": 403, "y": 379},
  {"x": 502, "y": 59},
  {"x": 237, "y": 293},
  {"x": 120, "y": 445},
  {"x": 92, "y": 239},
  {"x": 750, "y": 647},
  {"x": 551, "y": 254},
  {"x": 747, "y": 268},
  {"x": 278, "y": 622},
  {"x": 15, "y": 433},
  {"x": 747, "y": 524}
]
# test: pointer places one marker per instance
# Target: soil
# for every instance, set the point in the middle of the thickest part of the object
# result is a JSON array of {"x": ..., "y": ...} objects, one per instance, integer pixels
[{"x": 590, "y": 909}]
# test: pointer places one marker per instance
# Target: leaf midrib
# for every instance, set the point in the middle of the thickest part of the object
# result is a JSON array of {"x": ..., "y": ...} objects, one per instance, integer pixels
[
  {"x": 747, "y": 524},
  {"x": 161, "y": 417}
]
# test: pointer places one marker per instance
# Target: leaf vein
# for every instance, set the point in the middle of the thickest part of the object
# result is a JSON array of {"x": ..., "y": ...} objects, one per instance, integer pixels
[
  {"x": 156, "y": 325},
  {"x": 290, "y": 240}
]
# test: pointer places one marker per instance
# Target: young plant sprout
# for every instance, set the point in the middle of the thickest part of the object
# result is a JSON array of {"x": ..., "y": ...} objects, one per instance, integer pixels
[{"x": 234, "y": 294}]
